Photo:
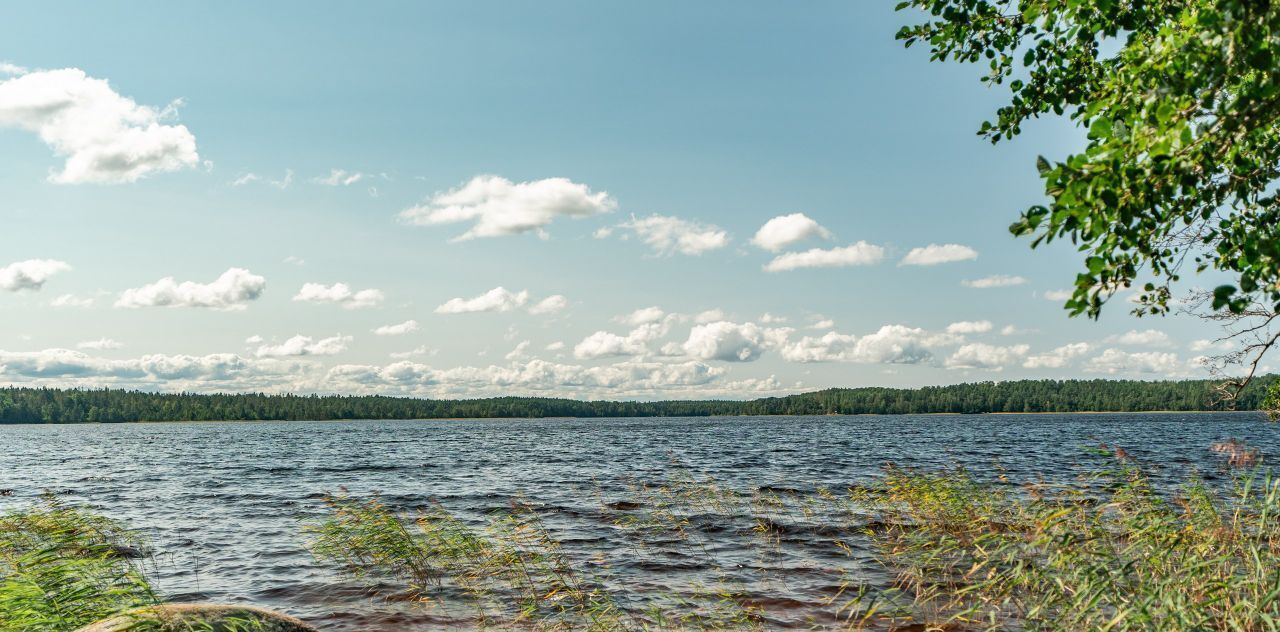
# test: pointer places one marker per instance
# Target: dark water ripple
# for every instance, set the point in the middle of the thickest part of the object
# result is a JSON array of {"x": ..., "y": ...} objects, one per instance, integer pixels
[{"x": 223, "y": 502}]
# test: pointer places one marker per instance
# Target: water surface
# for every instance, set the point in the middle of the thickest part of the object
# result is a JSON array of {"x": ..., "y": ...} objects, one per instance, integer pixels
[{"x": 223, "y": 502}]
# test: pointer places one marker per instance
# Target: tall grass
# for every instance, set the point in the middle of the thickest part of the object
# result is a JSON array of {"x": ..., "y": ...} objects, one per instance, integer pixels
[
  {"x": 1106, "y": 553},
  {"x": 63, "y": 567}
]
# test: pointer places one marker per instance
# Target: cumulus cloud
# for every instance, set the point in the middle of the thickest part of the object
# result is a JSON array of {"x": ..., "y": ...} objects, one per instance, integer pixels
[
  {"x": 339, "y": 294},
  {"x": 628, "y": 378},
  {"x": 1146, "y": 338},
  {"x": 417, "y": 351},
  {"x": 304, "y": 346},
  {"x": 1115, "y": 361},
  {"x": 709, "y": 316},
  {"x": 787, "y": 230},
  {"x": 71, "y": 300},
  {"x": 984, "y": 356},
  {"x": 30, "y": 274},
  {"x": 105, "y": 137},
  {"x": 339, "y": 178},
  {"x": 643, "y": 316},
  {"x": 934, "y": 254},
  {"x": 997, "y": 280},
  {"x": 496, "y": 206},
  {"x": 603, "y": 344},
  {"x": 891, "y": 344},
  {"x": 1222, "y": 346},
  {"x": 519, "y": 351},
  {"x": 670, "y": 235},
  {"x": 732, "y": 342},
  {"x": 1057, "y": 295},
  {"x": 65, "y": 364},
  {"x": 1058, "y": 358},
  {"x": 859, "y": 254},
  {"x": 101, "y": 344},
  {"x": 499, "y": 299},
  {"x": 399, "y": 329},
  {"x": 231, "y": 291},
  {"x": 970, "y": 327},
  {"x": 825, "y": 323},
  {"x": 549, "y": 305}
]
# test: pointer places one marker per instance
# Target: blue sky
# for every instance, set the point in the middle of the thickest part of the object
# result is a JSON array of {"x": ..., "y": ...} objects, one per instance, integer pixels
[{"x": 603, "y": 158}]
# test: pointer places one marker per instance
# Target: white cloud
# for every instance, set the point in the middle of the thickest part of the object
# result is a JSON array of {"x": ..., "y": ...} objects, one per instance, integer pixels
[
  {"x": 101, "y": 344},
  {"x": 771, "y": 319},
  {"x": 980, "y": 355},
  {"x": 339, "y": 294},
  {"x": 732, "y": 342},
  {"x": 709, "y": 316},
  {"x": 295, "y": 261},
  {"x": 555, "y": 346},
  {"x": 419, "y": 351},
  {"x": 66, "y": 364},
  {"x": 934, "y": 254},
  {"x": 1058, "y": 358},
  {"x": 399, "y": 329},
  {"x": 998, "y": 280},
  {"x": 642, "y": 316},
  {"x": 339, "y": 178},
  {"x": 30, "y": 274},
  {"x": 891, "y": 344},
  {"x": 603, "y": 344},
  {"x": 825, "y": 323},
  {"x": 305, "y": 346},
  {"x": 970, "y": 327},
  {"x": 1146, "y": 338},
  {"x": 1211, "y": 345},
  {"x": 859, "y": 254},
  {"x": 496, "y": 206},
  {"x": 519, "y": 352},
  {"x": 105, "y": 137},
  {"x": 7, "y": 68},
  {"x": 244, "y": 179},
  {"x": 787, "y": 230},
  {"x": 71, "y": 300},
  {"x": 535, "y": 377},
  {"x": 499, "y": 299},
  {"x": 549, "y": 305},
  {"x": 670, "y": 235},
  {"x": 1057, "y": 295},
  {"x": 1115, "y": 361},
  {"x": 231, "y": 291}
]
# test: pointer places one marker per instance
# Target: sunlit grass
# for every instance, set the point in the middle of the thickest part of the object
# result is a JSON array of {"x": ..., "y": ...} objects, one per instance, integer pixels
[{"x": 62, "y": 567}]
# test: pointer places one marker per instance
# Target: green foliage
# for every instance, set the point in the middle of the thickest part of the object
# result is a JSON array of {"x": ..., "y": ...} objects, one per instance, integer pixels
[
  {"x": 1271, "y": 403},
  {"x": 43, "y": 405},
  {"x": 62, "y": 568},
  {"x": 1181, "y": 100},
  {"x": 1108, "y": 553}
]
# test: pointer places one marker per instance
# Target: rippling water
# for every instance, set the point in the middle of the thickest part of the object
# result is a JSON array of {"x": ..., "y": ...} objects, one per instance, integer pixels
[{"x": 223, "y": 502}]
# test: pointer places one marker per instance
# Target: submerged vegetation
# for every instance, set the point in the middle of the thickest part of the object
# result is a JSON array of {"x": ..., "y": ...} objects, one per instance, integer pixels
[{"x": 45, "y": 405}]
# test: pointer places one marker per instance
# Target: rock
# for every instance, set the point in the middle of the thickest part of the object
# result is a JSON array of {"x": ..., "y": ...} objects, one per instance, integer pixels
[{"x": 184, "y": 617}]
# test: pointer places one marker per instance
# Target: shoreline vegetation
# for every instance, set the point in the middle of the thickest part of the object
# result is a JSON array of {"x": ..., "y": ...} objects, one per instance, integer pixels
[
  {"x": 910, "y": 549},
  {"x": 20, "y": 405}
]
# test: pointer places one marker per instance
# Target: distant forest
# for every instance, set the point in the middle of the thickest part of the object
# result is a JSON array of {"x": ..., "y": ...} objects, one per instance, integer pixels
[{"x": 49, "y": 405}]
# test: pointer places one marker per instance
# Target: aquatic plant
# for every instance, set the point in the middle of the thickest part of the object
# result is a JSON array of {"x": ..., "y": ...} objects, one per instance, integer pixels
[
  {"x": 1106, "y": 553},
  {"x": 62, "y": 567}
]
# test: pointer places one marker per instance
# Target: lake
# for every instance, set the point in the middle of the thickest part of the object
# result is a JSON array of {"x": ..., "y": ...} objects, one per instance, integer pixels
[{"x": 223, "y": 503}]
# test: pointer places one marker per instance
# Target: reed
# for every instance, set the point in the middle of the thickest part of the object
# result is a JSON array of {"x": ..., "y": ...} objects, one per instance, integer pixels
[
  {"x": 1106, "y": 553},
  {"x": 63, "y": 567}
]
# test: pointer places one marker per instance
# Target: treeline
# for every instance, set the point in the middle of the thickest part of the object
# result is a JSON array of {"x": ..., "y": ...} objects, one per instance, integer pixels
[{"x": 49, "y": 405}]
